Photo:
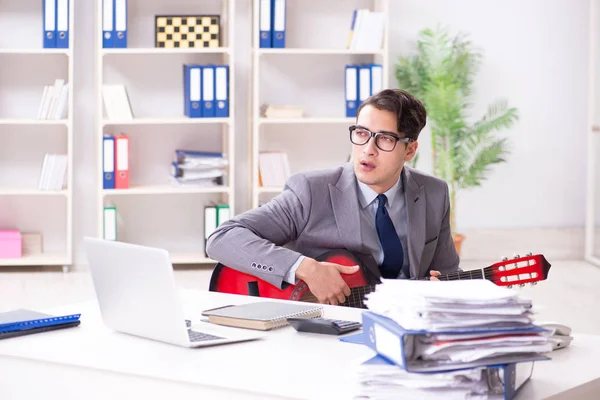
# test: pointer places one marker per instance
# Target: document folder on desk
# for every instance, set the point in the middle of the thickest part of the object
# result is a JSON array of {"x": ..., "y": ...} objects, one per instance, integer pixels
[
  {"x": 400, "y": 346},
  {"x": 502, "y": 381},
  {"x": 23, "y": 322}
]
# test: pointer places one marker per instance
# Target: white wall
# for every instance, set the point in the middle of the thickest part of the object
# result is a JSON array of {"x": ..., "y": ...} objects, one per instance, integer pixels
[{"x": 535, "y": 54}]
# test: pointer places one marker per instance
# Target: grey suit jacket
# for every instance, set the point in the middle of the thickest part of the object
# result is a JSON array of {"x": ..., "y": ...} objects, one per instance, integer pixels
[{"x": 318, "y": 212}]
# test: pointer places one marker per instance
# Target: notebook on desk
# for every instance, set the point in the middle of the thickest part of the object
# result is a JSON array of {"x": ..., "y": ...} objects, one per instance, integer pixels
[
  {"x": 261, "y": 315},
  {"x": 25, "y": 322}
]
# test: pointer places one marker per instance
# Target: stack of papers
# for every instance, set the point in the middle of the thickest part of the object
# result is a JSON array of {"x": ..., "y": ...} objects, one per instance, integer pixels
[
  {"x": 455, "y": 305},
  {"x": 460, "y": 321}
]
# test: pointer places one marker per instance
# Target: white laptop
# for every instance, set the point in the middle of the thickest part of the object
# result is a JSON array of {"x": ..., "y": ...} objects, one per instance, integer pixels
[{"x": 137, "y": 295}]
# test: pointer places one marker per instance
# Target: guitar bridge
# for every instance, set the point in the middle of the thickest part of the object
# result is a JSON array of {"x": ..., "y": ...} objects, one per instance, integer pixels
[{"x": 253, "y": 289}]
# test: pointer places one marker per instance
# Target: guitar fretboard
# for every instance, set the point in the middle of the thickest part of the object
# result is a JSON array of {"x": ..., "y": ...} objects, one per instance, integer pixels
[
  {"x": 357, "y": 295},
  {"x": 484, "y": 273}
]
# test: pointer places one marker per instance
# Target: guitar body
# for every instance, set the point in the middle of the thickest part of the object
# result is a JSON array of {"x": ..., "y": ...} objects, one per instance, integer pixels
[{"x": 228, "y": 280}]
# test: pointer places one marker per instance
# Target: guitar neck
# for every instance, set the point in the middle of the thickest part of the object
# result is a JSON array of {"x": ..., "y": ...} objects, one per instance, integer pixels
[
  {"x": 356, "y": 298},
  {"x": 466, "y": 275}
]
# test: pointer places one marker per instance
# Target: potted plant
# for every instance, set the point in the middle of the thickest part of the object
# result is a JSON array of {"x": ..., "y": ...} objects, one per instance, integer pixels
[{"x": 441, "y": 75}]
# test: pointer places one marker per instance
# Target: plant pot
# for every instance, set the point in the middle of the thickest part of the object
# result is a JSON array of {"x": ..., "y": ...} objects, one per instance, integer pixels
[{"x": 458, "y": 239}]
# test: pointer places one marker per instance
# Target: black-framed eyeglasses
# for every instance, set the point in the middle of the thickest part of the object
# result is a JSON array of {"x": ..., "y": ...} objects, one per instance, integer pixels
[{"x": 384, "y": 141}]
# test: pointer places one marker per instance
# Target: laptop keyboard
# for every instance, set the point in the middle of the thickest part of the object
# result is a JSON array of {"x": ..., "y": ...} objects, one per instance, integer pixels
[{"x": 201, "y": 337}]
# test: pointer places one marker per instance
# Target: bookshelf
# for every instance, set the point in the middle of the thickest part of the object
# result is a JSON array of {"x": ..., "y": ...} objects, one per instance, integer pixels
[
  {"x": 153, "y": 211},
  {"x": 24, "y": 139},
  {"x": 309, "y": 72},
  {"x": 592, "y": 224}
]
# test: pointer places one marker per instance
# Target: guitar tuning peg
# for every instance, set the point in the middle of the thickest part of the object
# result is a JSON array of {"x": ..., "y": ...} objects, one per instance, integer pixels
[
  {"x": 504, "y": 259},
  {"x": 521, "y": 285},
  {"x": 529, "y": 254},
  {"x": 510, "y": 286},
  {"x": 515, "y": 256},
  {"x": 533, "y": 283}
]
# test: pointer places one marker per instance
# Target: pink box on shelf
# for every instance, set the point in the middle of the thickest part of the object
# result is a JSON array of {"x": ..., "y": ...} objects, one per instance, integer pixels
[{"x": 10, "y": 244}]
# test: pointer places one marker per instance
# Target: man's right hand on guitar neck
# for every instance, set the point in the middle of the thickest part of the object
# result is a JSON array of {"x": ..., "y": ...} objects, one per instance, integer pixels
[{"x": 324, "y": 280}]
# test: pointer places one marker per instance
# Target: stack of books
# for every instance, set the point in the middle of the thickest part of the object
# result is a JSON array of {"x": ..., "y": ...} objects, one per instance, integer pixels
[
  {"x": 366, "y": 30},
  {"x": 54, "y": 172},
  {"x": 55, "y": 101},
  {"x": 199, "y": 168},
  {"x": 447, "y": 339},
  {"x": 273, "y": 169}
]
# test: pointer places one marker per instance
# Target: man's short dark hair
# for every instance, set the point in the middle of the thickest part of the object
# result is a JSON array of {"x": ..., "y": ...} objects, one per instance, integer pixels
[{"x": 410, "y": 112}]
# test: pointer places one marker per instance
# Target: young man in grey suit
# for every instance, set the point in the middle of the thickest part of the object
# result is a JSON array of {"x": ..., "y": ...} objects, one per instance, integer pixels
[{"x": 394, "y": 219}]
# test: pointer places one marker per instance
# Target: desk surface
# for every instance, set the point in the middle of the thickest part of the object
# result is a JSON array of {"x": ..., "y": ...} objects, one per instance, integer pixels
[{"x": 285, "y": 364}]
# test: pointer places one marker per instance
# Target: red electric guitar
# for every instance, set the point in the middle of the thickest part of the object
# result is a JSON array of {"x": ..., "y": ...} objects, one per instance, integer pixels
[{"x": 516, "y": 271}]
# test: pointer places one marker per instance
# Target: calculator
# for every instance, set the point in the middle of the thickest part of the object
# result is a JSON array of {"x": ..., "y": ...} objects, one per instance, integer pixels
[{"x": 324, "y": 325}]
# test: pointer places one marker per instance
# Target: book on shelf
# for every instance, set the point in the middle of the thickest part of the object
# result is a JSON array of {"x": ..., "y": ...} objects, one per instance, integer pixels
[
  {"x": 287, "y": 111},
  {"x": 366, "y": 30},
  {"x": 54, "y": 172},
  {"x": 55, "y": 101},
  {"x": 274, "y": 168},
  {"x": 116, "y": 102}
]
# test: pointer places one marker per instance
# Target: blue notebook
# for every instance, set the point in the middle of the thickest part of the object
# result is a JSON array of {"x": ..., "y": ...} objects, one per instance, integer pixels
[{"x": 23, "y": 320}]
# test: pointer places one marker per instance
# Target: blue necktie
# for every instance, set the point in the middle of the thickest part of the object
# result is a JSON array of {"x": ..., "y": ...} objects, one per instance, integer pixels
[{"x": 393, "y": 255}]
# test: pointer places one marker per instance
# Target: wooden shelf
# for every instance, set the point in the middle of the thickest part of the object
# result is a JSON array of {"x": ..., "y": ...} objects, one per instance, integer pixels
[
  {"x": 190, "y": 258},
  {"x": 269, "y": 189},
  {"x": 164, "y": 189},
  {"x": 307, "y": 120},
  {"x": 173, "y": 51},
  {"x": 31, "y": 192},
  {"x": 167, "y": 121},
  {"x": 37, "y": 259},
  {"x": 28, "y": 121},
  {"x": 305, "y": 51},
  {"x": 36, "y": 52}
]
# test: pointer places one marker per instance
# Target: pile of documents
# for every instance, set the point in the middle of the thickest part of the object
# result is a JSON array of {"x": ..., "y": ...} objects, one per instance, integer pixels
[
  {"x": 199, "y": 168},
  {"x": 382, "y": 380},
  {"x": 455, "y": 331}
]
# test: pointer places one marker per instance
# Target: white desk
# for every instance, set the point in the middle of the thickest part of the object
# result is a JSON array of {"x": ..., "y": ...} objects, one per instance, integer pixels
[{"x": 93, "y": 362}]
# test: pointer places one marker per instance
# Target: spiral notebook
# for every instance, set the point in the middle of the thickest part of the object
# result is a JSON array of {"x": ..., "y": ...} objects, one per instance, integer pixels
[{"x": 261, "y": 315}]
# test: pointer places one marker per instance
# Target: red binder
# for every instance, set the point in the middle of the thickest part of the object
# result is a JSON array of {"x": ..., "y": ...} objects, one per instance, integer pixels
[{"x": 121, "y": 162}]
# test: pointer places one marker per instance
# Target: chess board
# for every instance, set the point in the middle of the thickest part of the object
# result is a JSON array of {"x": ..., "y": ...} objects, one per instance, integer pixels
[{"x": 185, "y": 31}]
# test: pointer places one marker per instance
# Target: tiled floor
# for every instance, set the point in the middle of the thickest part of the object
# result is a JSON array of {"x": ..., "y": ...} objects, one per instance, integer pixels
[{"x": 570, "y": 295}]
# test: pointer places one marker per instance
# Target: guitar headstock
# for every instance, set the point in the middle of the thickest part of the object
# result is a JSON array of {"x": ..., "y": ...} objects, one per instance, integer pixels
[{"x": 519, "y": 270}]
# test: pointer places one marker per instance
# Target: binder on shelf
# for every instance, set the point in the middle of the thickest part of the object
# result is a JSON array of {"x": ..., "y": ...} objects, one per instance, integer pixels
[
  {"x": 351, "y": 82},
  {"x": 376, "y": 78},
  {"x": 222, "y": 91},
  {"x": 62, "y": 24},
  {"x": 278, "y": 35},
  {"x": 120, "y": 24},
  {"x": 192, "y": 90},
  {"x": 208, "y": 91},
  {"x": 265, "y": 22},
  {"x": 49, "y": 15},
  {"x": 108, "y": 17},
  {"x": 210, "y": 223},
  {"x": 110, "y": 223},
  {"x": 364, "y": 83},
  {"x": 108, "y": 162},
  {"x": 398, "y": 345},
  {"x": 122, "y": 162},
  {"x": 223, "y": 213}
]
